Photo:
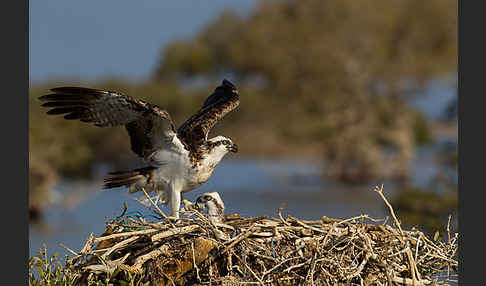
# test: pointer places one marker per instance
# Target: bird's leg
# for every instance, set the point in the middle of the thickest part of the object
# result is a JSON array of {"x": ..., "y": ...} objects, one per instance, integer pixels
[
  {"x": 175, "y": 203},
  {"x": 186, "y": 203},
  {"x": 188, "y": 206}
]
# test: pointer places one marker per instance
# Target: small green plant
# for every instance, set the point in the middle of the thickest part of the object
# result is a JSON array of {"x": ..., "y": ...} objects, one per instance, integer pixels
[
  {"x": 51, "y": 271},
  {"x": 44, "y": 270}
]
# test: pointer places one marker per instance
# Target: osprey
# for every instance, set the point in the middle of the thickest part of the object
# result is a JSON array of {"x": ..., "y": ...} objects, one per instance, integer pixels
[
  {"x": 210, "y": 200},
  {"x": 215, "y": 206},
  {"x": 178, "y": 160}
]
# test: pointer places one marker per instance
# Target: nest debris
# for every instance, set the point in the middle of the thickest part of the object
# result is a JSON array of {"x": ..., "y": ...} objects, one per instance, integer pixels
[{"x": 261, "y": 251}]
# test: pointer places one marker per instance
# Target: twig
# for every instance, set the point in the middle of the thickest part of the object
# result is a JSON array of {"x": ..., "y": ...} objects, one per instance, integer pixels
[
  {"x": 194, "y": 262},
  {"x": 89, "y": 242},
  {"x": 125, "y": 207},
  {"x": 143, "y": 258},
  {"x": 152, "y": 202},
  {"x": 251, "y": 271},
  {"x": 449, "y": 229},
  {"x": 416, "y": 248},
  {"x": 360, "y": 267},
  {"x": 408, "y": 281},
  {"x": 119, "y": 245},
  {"x": 297, "y": 266},
  {"x": 128, "y": 233},
  {"x": 307, "y": 226},
  {"x": 238, "y": 238},
  {"x": 278, "y": 265},
  {"x": 380, "y": 192},
  {"x": 175, "y": 231},
  {"x": 311, "y": 270},
  {"x": 412, "y": 266},
  {"x": 68, "y": 249},
  {"x": 280, "y": 215}
]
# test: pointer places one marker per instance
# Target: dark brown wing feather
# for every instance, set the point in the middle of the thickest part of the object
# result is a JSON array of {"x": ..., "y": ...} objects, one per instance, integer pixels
[
  {"x": 149, "y": 126},
  {"x": 223, "y": 100}
]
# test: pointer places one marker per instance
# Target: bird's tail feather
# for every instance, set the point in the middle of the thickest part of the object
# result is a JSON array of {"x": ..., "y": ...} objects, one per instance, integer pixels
[{"x": 133, "y": 179}]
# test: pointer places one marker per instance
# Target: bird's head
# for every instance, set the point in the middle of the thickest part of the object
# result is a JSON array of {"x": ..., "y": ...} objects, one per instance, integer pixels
[
  {"x": 227, "y": 86},
  {"x": 213, "y": 202},
  {"x": 221, "y": 145}
]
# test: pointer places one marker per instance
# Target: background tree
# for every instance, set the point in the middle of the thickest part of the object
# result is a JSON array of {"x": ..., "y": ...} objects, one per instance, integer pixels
[{"x": 333, "y": 72}]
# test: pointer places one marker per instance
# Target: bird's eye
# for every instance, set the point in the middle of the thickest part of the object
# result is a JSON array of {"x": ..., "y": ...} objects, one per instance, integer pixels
[
  {"x": 226, "y": 142},
  {"x": 208, "y": 198}
]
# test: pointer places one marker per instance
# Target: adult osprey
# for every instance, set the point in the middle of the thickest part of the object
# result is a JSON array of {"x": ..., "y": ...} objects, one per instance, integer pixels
[{"x": 179, "y": 160}]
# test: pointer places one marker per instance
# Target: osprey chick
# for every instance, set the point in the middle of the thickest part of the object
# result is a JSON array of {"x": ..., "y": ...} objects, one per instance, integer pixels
[
  {"x": 178, "y": 160},
  {"x": 215, "y": 206}
]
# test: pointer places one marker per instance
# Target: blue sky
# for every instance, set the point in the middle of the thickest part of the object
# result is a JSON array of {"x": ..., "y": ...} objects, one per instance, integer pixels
[{"x": 93, "y": 39}]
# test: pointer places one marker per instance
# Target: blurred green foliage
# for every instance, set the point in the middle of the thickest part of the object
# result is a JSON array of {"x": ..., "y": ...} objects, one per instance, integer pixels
[
  {"x": 334, "y": 72},
  {"x": 426, "y": 209},
  {"x": 429, "y": 208},
  {"x": 422, "y": 132}
]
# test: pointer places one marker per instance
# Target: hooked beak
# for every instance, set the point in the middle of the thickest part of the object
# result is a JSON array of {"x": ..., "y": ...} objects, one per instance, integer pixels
[
  {"x": 200, "y": 204},
  {"x": 233, "y": 148}
]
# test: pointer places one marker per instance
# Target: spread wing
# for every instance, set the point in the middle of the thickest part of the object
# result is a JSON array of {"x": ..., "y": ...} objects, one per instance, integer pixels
[
  {"x": 150, "y": 128},
  {"x": 223, "y": 100}
]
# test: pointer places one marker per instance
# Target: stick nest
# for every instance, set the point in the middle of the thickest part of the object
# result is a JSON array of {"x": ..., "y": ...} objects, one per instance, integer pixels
[{"x": 265, "y": 251}]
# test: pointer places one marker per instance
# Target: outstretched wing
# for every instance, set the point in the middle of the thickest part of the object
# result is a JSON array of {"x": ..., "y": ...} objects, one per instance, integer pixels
[
  {"x": 223, "y": 100},
  {"x": 150, "y": 128}
]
